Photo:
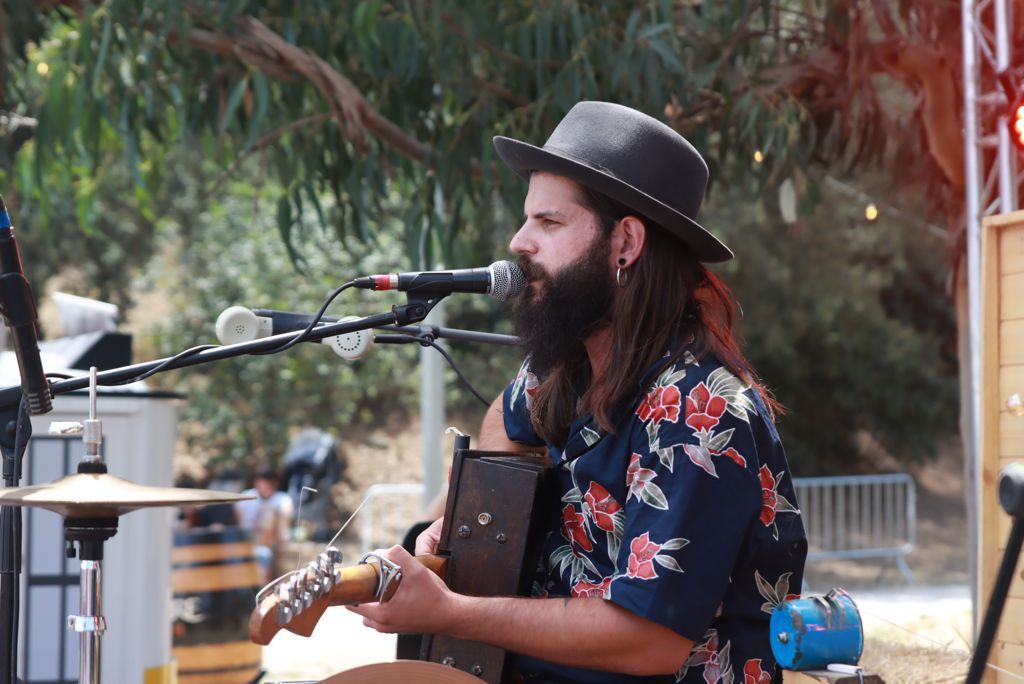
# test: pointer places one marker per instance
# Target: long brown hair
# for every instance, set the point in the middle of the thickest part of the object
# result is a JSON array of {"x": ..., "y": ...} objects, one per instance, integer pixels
[{"x": 668, "y": 296}]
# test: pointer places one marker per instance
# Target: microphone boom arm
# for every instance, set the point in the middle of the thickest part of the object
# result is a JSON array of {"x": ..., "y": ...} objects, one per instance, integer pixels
[{"x": 400, "y": 315}]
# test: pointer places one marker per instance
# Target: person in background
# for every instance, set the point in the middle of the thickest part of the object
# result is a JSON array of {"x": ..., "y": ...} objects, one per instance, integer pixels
[
  {"x": 268, "y": 516},
  {"x": 216, "y": 516}
]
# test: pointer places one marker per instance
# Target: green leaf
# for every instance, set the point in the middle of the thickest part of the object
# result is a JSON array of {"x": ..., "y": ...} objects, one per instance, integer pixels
[
  {"x": 666, "y": 456},
  {"x": 234, "y": 100},
  {"x": 315, "y": 201},
  {"x": 721, "y": 440},
  {"x": 285, "y": 222},
  {"x": 675, "y": 543},
  {"x": 101, "y": 57},
  {"x": 652, "y": 495},
  {"x": 261, "y": 93},
  {"x": 668, "y": 562}
]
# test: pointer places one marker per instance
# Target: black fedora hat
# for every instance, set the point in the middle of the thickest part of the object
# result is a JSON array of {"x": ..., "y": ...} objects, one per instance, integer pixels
[{"x": 630, "y": 157}]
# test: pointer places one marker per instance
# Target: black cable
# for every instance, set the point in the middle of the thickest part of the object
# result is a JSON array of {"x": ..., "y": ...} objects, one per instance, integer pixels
[
  {"x": 167, "y": 362},
  {"x": 312, "y": 324},
  {"x": 428, "y": 341}
]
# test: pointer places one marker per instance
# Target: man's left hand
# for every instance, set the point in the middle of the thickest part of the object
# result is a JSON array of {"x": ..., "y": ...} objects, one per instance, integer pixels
[{"x": 422, "y": 604}]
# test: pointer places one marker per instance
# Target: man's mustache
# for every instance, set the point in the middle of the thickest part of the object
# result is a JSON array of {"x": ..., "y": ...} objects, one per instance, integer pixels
[{"x": 533, "y": 271}]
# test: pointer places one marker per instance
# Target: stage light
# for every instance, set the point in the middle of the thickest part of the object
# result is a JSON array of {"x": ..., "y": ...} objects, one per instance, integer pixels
[
  {"x": 871, "y": 212},
  {"x": 1017, "y": 124}
]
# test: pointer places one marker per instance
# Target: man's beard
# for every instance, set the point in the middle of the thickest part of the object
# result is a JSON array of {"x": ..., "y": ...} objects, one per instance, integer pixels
[{"x": 570, "y": 305}]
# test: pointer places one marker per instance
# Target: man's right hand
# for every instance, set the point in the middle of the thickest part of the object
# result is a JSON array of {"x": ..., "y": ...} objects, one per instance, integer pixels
[{"x": 429, "y": 538}]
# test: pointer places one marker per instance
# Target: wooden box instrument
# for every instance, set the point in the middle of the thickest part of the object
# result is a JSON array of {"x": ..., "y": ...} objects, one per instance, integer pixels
[{"x": 491, "y": 545}]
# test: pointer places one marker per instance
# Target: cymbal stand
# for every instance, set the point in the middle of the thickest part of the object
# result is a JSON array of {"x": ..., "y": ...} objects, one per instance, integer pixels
[{"x": 89, "y": 533}]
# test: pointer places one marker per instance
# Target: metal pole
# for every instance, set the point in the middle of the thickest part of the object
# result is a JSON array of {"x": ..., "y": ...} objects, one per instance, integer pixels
[
  {"x": 432, "y": 413},
  {"x": 90, "y": 624},
  {"x": 1007, "y": 153},
  {"x": 972, "y": 441}
]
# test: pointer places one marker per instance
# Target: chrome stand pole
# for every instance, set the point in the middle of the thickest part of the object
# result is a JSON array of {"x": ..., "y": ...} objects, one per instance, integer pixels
[{"x": 90, "y": 624}]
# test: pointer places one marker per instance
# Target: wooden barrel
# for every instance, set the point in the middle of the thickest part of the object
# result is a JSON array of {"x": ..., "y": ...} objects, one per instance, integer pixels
[{"x": 215, "y": 579}]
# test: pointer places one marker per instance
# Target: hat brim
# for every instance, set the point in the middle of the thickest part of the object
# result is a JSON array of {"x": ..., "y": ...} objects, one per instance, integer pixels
[{"x": 524, "y": 158}]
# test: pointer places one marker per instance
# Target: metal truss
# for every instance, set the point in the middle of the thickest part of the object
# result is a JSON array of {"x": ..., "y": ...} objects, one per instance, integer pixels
[{"x": 992, "y": 182}]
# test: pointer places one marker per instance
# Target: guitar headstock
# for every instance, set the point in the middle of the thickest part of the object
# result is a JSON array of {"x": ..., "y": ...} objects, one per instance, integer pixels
[{"x": 296, "y": 601}]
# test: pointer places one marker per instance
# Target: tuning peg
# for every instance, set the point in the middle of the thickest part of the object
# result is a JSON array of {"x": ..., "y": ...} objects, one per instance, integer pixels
[{"x": 284, "y": 604}]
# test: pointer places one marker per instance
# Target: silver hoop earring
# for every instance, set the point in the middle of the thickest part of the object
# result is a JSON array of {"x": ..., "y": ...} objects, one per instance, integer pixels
[{"x": 621, "y": 277}]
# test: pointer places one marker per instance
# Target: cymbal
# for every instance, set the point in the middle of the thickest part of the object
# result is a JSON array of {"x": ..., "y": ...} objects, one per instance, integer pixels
[
  {"x": 403, "y": 672},
  {"x": 101, "y": 495}
]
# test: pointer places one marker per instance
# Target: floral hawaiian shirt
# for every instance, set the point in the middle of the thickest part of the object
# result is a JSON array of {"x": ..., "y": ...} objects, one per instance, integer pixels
[{"x": 686, "y": 515}]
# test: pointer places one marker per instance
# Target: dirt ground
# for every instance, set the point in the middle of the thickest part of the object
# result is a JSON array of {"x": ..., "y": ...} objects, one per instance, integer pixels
[
  {"x": 913, "y": 633},
  {"x": 918, "y": 632}
]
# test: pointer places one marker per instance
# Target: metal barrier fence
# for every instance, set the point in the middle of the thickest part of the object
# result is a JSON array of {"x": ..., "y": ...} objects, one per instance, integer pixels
[
  {"x": 859, "y": 516},
  {"x": 855, "y": 516},
  {"x": 390, "y": 510}
]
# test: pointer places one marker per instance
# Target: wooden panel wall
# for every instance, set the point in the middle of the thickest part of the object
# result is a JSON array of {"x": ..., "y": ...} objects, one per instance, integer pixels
[{"x": 1002, "y": 432}]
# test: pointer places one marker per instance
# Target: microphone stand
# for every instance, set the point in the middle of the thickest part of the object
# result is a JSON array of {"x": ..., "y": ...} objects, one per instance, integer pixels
[
  {"x": 1011, "y": 497},
  {"x": 415, "y": 310},
  {"x": 435, "y": 332}
]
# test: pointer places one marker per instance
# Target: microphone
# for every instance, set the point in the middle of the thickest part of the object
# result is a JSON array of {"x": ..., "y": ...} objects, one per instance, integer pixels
[
  {"x": 19, "y": 311},
  {"x": 501, "y": 280},
  {"x": 239, "y": 324}
]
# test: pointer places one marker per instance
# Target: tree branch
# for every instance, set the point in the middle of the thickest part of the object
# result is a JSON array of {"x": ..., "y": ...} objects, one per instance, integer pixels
[
  {"x": 263, "y": 142},
  {"x": 261, "y": 48}
]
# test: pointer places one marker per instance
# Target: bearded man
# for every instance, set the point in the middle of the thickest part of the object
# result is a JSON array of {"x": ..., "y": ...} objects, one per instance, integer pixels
[{"x": 678, "y": 529}]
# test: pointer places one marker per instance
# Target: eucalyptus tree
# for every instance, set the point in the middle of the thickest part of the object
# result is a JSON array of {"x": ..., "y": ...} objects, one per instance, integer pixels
[
  {"x": 348, "y": 98},
  {"x": 364, "y": 101}
]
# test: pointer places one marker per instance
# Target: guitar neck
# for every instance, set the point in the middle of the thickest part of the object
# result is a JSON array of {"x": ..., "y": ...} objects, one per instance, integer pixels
[{"x": 358, "y": 583}]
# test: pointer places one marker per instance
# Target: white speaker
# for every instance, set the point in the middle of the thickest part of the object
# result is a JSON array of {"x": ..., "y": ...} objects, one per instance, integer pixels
[
  {"x": 353, "y": 345},
  {"x": 239, "y": 324}
]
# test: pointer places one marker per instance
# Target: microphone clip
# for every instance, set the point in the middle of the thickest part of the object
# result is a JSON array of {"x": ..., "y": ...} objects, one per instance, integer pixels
[{"x": 416, "y": 309}]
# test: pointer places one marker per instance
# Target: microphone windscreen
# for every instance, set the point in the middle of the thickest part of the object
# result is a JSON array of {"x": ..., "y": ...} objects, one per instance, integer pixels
[{"x": 507, "y": 280}]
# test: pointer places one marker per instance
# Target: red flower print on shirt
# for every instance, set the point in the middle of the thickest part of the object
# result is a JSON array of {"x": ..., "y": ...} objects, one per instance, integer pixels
[
  {"x": 586, "y": 589},
  {"x": 637, "y": 478},
  {"x": 773, "y": 503},
  {"x": 661, "y": 403},
  {"x": 703, "y": 409},
  {"x": 638, "y": 481},
  {"x": 769, "y": 497},
  {"x": 753, "y": 674},
  {"x": 735, "y": 456},
  {"x": 574, "y": 528},
  {"x": 641, "y": 557},
  {"x": 601, "y": 506}
]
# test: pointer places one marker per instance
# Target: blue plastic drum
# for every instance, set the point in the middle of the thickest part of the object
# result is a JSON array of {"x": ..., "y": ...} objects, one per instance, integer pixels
[{"x": 810, "y": 633}]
